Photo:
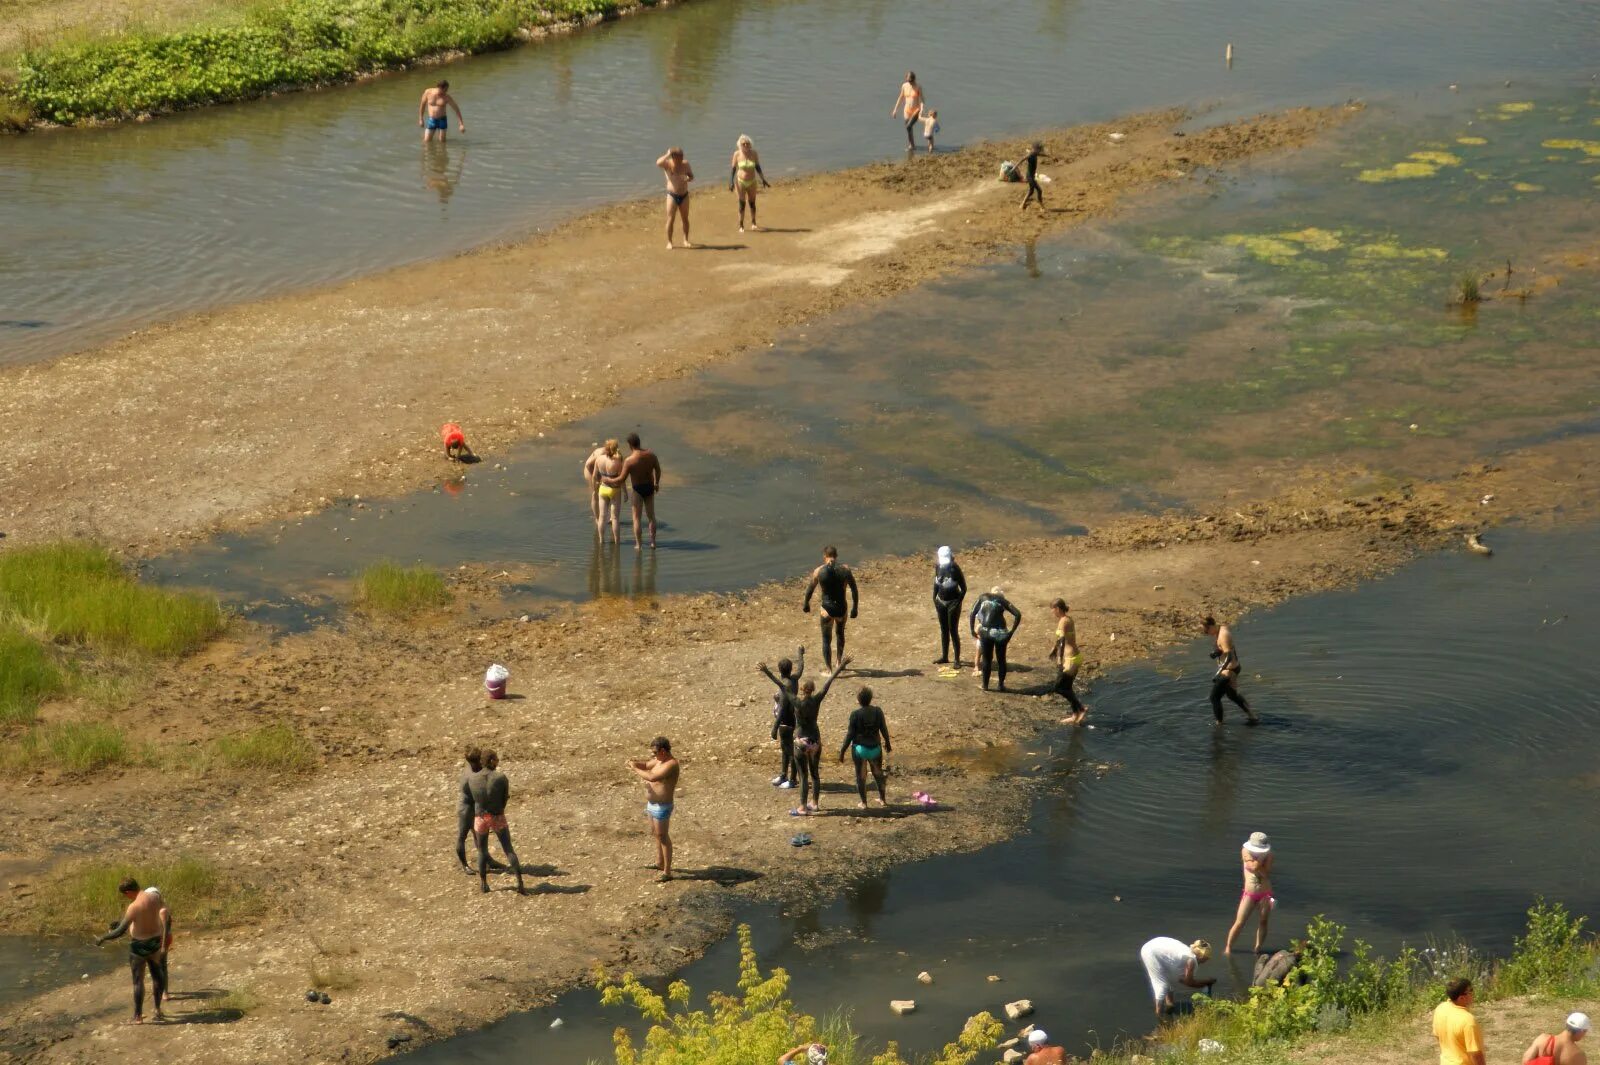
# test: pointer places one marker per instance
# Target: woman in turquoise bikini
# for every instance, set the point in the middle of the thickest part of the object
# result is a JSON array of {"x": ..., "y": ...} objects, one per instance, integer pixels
[
  {"x": 867, "y": 738},
  {"x": 743, "y": 175}
]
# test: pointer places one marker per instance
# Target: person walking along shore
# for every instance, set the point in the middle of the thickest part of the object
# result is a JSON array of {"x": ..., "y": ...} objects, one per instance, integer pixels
[
  {"x": 1067, "y": 658},
  {"x": 1225, "y": 683}
]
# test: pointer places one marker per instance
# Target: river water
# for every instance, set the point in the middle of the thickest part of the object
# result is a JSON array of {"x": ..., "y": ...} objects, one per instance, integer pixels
[
  {"x": 103, "y": 231},
  {"x": 1422, "y": 769}
]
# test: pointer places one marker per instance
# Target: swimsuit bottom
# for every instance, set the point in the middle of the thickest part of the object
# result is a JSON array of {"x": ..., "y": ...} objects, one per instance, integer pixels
[
  {"x": 484, "y": 824},
  {"x": 441, "y": 123},
  {"x": 1258, "y": 896},
  {"x": 648, "y": 489},
  {"x": 747, "y": 184},
  {"x": 659, "y": 811},
  {"x": 807, "y": 743},
  {"x": 868, "y": 754},
  {"x": 145, "y": 948},
  {"x": 835, "y": 611},
  {"x": 677, "y": 198},
  {"x": 996, "y": 635},
  {"x": 607, "y": 492}
]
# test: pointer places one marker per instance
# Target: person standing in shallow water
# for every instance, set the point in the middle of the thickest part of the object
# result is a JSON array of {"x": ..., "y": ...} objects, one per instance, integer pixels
[
  {"x": 833, "y": 578},
  {"x": 1225, "y": 684},
  {"x": 1256, "y": 857},
  {"x": 1067, "y": 656},
  {"x": 949, "y": 589},
  {"x": 744, "y": 173},
  {"x": 432, "y": 112},
  {"x": 642, "y": 470},
  {"x": 911, "y": 100},
  {"x": 679, "y": 174}
]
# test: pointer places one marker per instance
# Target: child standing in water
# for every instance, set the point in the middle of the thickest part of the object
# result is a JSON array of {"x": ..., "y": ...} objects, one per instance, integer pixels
[{"x": 930, "y": 126}]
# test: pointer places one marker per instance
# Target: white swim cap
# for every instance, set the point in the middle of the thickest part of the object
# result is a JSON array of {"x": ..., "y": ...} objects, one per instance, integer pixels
[
  {"x": 945, "y": 555},
  {"x": 817, "y": 1055},
  {"x": 1037, "y": 1037},
  {"x": 1577, "y": 1022}
]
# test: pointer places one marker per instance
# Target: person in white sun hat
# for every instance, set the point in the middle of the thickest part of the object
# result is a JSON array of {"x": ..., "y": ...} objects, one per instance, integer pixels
[
  {"x": 1561, "y": 1048},
  {"x": 1041, "y": 1052},
  {"x": 1256, "y": 855}
]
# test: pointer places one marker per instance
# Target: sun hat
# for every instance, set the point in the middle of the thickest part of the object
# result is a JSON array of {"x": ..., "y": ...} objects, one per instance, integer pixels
[
  {"x": 1577, "y": 1022},
  {"x": 1037, "y": 1037},
  {"x": 945, "y": 555},
  {"x": 1258, "y": 843}
]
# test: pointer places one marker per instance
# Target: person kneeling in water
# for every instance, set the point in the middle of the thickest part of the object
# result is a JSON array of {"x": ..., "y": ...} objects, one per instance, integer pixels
[{"x": 867, "y": 738}]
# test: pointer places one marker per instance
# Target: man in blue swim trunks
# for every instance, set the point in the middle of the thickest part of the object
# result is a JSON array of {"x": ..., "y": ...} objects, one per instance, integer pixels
[
  {"x": 643, "y": 470},
  {"x": 432, "y": 113},
  {"x": 660, "y": 776}
]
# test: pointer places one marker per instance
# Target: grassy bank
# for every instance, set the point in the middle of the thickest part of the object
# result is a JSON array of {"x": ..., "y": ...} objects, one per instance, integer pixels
[
  {"x": 1337, "y": 1003},
  {"x": 202, "y": 896},
  {"x": 400, "y": 591},
  {"x": 268, "y": 46}
]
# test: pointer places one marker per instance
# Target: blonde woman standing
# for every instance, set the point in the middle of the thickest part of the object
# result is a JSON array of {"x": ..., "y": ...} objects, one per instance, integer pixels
[
  {"x": 909, "y": 105},
  {"x": 1256, "y": 857},
  {"x": 609, "y": 497},
  {"x": 743, "y": 174}
]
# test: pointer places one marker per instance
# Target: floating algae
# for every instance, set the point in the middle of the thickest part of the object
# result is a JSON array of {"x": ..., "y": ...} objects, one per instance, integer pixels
[
  {"x": 1516, "y": 108},
  {"x": 1393, "y": 249},
  {"x": 1436, "y": 158},
  {"x": 1471, "y": 140},
  {"x": 1523, "y": 186},
  {"x": 1314, "y": 238},
  {"x": 1570, "y": 145},
  {"x": 1273, "y": 250}
]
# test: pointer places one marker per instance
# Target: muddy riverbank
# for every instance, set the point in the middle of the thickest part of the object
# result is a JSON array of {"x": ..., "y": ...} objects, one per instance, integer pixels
[
  {"x": 359, "y": 853},
  {"x": 230, "y": 419}
]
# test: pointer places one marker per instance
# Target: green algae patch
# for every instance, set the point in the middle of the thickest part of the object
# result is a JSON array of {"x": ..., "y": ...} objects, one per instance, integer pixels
[
  {"x": 1268, "y": 249},
  {"x": 1436, "y": 158},
  {"x": 1523, "y": 186},
  {"x": 1314, "y": 238},
  {"x": 1518, "y": 108},
  {"x": 1571, "y": 145},
  {"x": 1472, "y": 141},
  {"x": 1406, "y": 171},
  {"x": 1394, "y": 250}
]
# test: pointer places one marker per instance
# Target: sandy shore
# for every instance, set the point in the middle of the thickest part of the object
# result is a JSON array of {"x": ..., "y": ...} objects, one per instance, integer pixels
[
  {"x": 252, "y": 413},
  {"x": 359, "y": 853}
]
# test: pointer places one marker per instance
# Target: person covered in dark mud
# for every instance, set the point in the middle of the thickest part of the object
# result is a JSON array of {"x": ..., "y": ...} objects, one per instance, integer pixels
[
  {"x": 788, "y": 682},
  {"x": 660, "y": 775},
  {"x": 832, "y": 578},
  {"x": 808, "y": 740},
  {"x": 491, "y": 791},
  {"x": 1068, "y": 658},
  {"x": 466, "y": 810},
  {"x": 949, "y": 589},
  {"x": 1225, "y": 683},
  {"x": 866, "y": 737},
  {"x": 643, "y": 470},
  {"x": 148, "y": 923},
  {"x": 988, "y": 621},
  {"x": 1028, "y": 170}
]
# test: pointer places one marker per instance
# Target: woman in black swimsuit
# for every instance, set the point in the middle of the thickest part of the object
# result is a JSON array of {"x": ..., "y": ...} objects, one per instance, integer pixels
[{"x": 808, "y": 740}]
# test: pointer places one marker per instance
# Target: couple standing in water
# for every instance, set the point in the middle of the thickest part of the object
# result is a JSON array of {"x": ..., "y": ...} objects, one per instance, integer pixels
[
  {"x": 745, "y": 177},
  {"x": 610, "y": 477}
]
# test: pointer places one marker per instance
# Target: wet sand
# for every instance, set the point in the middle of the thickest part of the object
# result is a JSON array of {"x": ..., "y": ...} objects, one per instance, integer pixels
[
  {"x": 360, "y": 853},
  {"x": 230, "y": 419}
]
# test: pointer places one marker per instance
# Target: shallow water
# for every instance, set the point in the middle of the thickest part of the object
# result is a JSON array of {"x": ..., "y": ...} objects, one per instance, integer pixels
[
  {"x": 32, "y": 965},
  {"x": 1420, "y": 769},
  {"x": 107, "y": 230},
  {"x": 1172, "y": 359}
]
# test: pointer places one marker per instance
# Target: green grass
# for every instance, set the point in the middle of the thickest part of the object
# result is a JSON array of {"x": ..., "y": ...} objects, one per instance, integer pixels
[
  {"x": 73, "y": 746},
  {"x": 272, "y": 748},
  {"x": 273, "y": 44},
  {"x": 202, "y": 896},
  {"x": 400, "y": 591},
  {"x": 28, "y": 676},
  {"x": 79, "y": 593}
]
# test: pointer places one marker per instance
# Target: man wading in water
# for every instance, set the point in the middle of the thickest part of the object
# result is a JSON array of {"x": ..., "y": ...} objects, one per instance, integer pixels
[
  {"x": 643, "y": 469},
  {"x": 431, "y": 112},
  {"x": 149, "y": 924},
  {"x": 1226, "y": 681},
  {"x": 833, "y": 578},
  {"x": 660, "y": 776},
  {"x": 679, "y": 174}
]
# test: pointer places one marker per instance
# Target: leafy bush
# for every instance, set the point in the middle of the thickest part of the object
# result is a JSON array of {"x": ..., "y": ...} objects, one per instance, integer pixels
[
  {"x": 1553, "y": 957},
  {"x": 276, "y": 44},
  {"x": 79, "y": 593},
  {"x": 400, "y": 591},
  {"x": 757, "y": 1025}
]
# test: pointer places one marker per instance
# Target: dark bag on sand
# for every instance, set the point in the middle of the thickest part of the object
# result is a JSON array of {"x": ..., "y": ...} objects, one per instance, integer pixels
[{"x": 1271, "y": 969}]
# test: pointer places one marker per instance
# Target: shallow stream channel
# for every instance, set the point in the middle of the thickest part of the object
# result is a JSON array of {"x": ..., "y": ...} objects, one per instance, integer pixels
[{"x": 1424, "y": 770}]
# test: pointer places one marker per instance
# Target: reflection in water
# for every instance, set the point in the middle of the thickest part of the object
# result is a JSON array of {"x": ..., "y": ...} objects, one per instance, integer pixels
[
  {"x": 1222, "y": 783},
  {"x": 1030, "y": 257},
  {"x": 606, "y": 572},
  {"x": 866, "y": 900},
  {"x": 690, "y": 52},
  {"x": 437, "y": 174}
]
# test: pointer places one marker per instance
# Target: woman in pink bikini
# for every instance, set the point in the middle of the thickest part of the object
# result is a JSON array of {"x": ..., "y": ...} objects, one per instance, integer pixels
[{"x": 1257, "y": 895}]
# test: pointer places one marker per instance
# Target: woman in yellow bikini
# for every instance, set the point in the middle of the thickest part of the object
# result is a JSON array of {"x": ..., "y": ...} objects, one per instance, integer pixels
[
  {"x": 743, "y": 176},
  {"x": 611, "y": 497},
  {"x": 1069, "y": 658}
]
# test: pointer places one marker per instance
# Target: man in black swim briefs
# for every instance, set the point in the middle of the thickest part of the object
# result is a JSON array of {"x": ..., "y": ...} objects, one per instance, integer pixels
[
  {"x": 788, "y": 682},
  {"x": 149, "y": 924},
  {"x": 833, "y": 578},
  {"x": 643, "y": 470}
]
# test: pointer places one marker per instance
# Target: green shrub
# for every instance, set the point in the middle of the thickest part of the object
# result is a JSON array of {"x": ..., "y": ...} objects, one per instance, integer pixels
[
  {"x": 28, "y": 676},
  {"x": 1552, "y": 958},
  {"x": 400, "y": 591},
  {"x": 273, "y": 748},
  {"x": 80, "y": 593},
  {"x": 200, "y": 894},
  {"x": 276, "y": 44},
  {"x": 756, "y": 1025}
]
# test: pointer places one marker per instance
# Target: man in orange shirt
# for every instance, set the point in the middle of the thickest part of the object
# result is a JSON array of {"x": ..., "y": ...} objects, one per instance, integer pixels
[{"x": 1460, "y": 1039}]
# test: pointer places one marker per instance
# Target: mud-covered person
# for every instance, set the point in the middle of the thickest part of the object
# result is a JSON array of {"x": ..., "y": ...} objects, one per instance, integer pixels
[
  {"x": 660, "y": 775},
  {"x": 832, "y": 578},
  {"x": 679, "y": 173},
  {"x": 783, "y": 713},
  {"x": 148, "y": 923},
  {"x": 432, "y": 114},
  {"x": 491, "y": 792},
  {"x": 642, "y": 470}
]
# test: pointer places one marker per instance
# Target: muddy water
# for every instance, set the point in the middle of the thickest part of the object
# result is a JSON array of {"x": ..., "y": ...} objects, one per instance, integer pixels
[
  {"x": 1421, "y": 770},
  {"x": 103, "y": 231},
  {"x": 1290, "y": 320},
  {"x": 32, "y": 965}
]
